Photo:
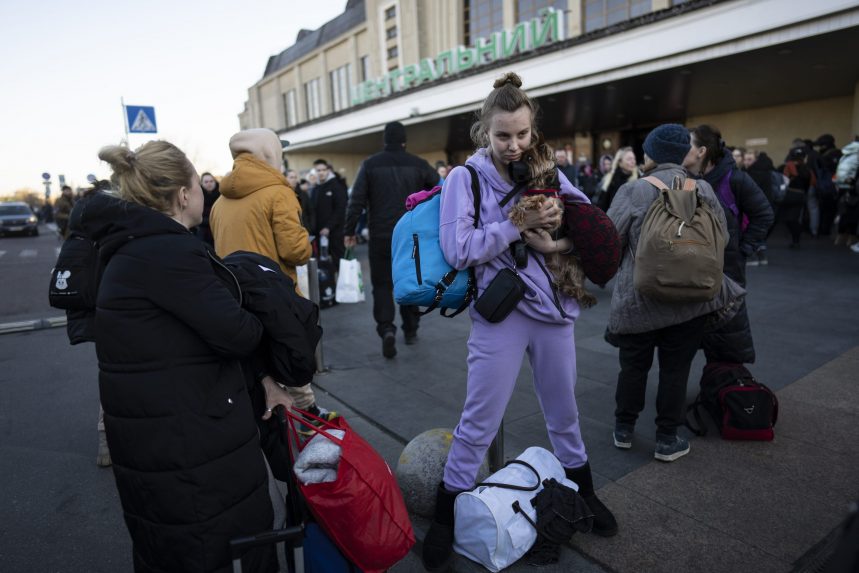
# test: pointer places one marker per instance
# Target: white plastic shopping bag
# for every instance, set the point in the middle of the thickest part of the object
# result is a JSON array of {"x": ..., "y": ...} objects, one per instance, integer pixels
[
  {"x": 350, "y": 281},
  {"x": 303, "y": 282}
]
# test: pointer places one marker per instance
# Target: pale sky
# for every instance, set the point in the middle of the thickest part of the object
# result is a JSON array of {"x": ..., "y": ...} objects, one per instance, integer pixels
[{"x": 65, "y": 64}]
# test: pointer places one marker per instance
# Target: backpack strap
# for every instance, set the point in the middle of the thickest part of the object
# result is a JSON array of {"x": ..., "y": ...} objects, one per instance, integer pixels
[
  {"x": 475, "y": 191},
  {"x": 688, "y": 185}
]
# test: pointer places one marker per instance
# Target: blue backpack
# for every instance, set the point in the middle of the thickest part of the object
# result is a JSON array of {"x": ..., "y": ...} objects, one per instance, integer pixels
[{"x": 422, "y": 276}]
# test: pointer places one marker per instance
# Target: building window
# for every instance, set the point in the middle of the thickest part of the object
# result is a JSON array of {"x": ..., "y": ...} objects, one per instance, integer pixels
[
  {"x": 391, "y": 33},
  {"x": 364, "y": 62},
  {"x": 290, "y": 108},
  {"x": 393, "y": 52},
  {"x": 481, "y": 18},
  {"x": 527, "y": 10},
  {"x": 311, "y": 96},
  {"x": 391, "y": 13},
  {"x": 604, "y": 13},
  {"x": 341, "y": 79}
]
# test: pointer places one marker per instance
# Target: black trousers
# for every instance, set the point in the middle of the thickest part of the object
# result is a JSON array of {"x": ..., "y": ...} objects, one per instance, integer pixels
[
  {"x": 383, "y": 290},
  {"x": 676, "y": 346}
]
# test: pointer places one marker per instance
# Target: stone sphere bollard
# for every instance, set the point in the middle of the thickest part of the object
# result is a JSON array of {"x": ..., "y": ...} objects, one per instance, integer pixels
[{"x": 421, "y": 466}]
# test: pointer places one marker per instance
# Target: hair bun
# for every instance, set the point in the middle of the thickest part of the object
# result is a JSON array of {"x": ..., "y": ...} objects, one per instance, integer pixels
[
  {"x": 508, "y": 78},
  {"x": 119, "y": 157}
]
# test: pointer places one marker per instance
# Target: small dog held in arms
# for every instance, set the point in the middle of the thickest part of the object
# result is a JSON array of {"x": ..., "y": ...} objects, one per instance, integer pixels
[{"x": 566, "y": 269}]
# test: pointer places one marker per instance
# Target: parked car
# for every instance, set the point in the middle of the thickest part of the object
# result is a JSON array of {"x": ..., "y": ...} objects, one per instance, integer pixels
[{"x": 18, "y": 218}]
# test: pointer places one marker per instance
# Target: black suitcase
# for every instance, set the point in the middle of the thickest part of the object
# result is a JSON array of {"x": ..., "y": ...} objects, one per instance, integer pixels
[
  {"x": 327, "y": 282},
  {"x": 291, "y": 537}
]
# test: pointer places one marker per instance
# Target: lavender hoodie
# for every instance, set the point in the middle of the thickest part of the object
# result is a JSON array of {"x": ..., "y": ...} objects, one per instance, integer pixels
[{"x": 487, "y": 248}]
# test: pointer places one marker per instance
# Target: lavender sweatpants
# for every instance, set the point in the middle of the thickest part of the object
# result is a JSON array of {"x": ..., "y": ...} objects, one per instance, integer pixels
[{"x": 494, "y": 358}]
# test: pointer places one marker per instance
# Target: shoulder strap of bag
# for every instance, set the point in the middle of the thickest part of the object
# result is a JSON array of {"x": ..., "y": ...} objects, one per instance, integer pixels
[
  {"x": 656, "y": 182},
  {"x": 514, "y": 486},
  {"x": 688, "y": 185},
  {"x": 693, "y": 408},
  {"x": 515, "y": 191},
  {"x": 475, "y": 191}
]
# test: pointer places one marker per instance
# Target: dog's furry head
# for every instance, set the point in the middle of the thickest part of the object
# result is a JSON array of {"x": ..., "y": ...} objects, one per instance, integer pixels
[{"x": 540, "y": 158}]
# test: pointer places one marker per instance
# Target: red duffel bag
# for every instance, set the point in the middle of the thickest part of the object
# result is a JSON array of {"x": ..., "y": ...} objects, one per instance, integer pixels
[{"x": 362, "y": 510}]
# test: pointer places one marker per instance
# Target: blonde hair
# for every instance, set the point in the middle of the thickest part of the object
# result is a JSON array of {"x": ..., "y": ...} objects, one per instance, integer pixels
[
  {"x": 615, "y": 163},
  {"x": 508, "y": 96},
  {"x": 151, "y": 175}
]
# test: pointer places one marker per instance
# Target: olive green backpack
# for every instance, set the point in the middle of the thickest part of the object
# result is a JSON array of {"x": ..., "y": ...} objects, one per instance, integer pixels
[{"x": 681, "y": 249}]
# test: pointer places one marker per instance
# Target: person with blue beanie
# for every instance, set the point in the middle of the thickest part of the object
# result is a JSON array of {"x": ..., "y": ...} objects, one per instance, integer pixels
[{"x": 638, "y": 325}]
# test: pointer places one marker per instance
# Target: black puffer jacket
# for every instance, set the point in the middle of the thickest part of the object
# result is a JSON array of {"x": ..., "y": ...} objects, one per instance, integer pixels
[
  {"x": 733, "y": 342},
  {"x": 170, "y": 331},
  {"x": 382, "y": 185},
  {"x": 761, "y": 172},
  {"x": 290, "y": 321},
  {"x": 751, "y": 202}
]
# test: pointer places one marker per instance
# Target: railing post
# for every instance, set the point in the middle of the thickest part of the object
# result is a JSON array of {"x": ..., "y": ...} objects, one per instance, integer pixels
[
  {"x": 496, "y": 450},
  {"x": 313, "y": 286}
]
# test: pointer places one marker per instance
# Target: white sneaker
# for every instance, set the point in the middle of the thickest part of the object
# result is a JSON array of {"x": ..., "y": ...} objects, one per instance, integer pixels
[{"x": 855, "y": 248}]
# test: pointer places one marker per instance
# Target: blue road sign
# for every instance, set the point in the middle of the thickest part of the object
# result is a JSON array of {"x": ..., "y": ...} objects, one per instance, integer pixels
[
  {"x": 46, "y": 176},
  {"x": 141, "y": 119}
]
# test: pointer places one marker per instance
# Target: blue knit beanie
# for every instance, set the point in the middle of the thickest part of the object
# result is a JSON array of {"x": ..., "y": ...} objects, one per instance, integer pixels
[{"x": 668, "y": 143}]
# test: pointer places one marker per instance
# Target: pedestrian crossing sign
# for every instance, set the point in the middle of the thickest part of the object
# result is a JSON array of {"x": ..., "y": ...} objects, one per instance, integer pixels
[{"x": 141, "y": 119}]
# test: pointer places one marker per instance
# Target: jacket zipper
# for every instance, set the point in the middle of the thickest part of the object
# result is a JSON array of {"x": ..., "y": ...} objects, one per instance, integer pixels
[
  {"x": 226, "y": 268},
  {"x": 416, "y": 255},
  {"x": 553, "y": 287}
]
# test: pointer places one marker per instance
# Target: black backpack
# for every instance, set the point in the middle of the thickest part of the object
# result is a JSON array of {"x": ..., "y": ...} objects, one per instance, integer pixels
[{"x": 741, "y": 407}]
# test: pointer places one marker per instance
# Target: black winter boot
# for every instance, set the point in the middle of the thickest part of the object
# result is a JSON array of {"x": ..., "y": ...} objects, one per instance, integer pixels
[
  {"x": 438, "y": 543},
  {"x": 605, "y": 525}
]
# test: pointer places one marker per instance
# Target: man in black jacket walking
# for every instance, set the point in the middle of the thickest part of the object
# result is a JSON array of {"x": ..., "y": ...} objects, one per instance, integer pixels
[
  {"x": 382, "y": 185},
  {"x": 329, "y": 207}
]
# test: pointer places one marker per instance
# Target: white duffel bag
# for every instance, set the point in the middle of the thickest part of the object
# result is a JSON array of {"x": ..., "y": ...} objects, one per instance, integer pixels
[{"x": 487, "y": 528}]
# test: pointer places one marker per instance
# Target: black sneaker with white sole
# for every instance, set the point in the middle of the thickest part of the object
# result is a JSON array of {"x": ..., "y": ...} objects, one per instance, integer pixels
[
  {"x": 623, "y": 436},
  {"x": 670, "y": 448}
]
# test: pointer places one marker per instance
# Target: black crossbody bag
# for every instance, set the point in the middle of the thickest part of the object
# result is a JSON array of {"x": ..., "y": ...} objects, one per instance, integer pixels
[{"x": 501, "y": 296}]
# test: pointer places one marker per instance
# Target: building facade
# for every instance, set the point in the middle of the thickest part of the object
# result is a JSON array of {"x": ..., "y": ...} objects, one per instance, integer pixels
[{"x": 604, "y": 72}]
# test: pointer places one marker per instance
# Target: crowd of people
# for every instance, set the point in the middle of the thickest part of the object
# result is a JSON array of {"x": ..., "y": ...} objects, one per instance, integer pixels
[{"x": 184, "y": 375}]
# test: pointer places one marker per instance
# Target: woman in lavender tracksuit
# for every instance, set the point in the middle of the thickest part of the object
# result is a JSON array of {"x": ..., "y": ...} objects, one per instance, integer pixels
[{"x": 541, "y": 324}]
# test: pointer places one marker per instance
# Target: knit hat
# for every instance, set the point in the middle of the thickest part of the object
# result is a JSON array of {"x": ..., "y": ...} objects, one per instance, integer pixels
[
  {"x": 394, "y": 133},
  {"x": 668, "y": 143}
]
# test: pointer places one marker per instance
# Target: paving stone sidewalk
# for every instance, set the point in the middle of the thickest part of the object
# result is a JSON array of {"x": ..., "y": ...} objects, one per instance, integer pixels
[{"x": 727, "y": 506}]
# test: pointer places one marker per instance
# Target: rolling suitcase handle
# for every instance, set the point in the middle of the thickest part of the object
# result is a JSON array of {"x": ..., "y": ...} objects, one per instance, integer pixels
[{"x": 292, "y": 536}]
